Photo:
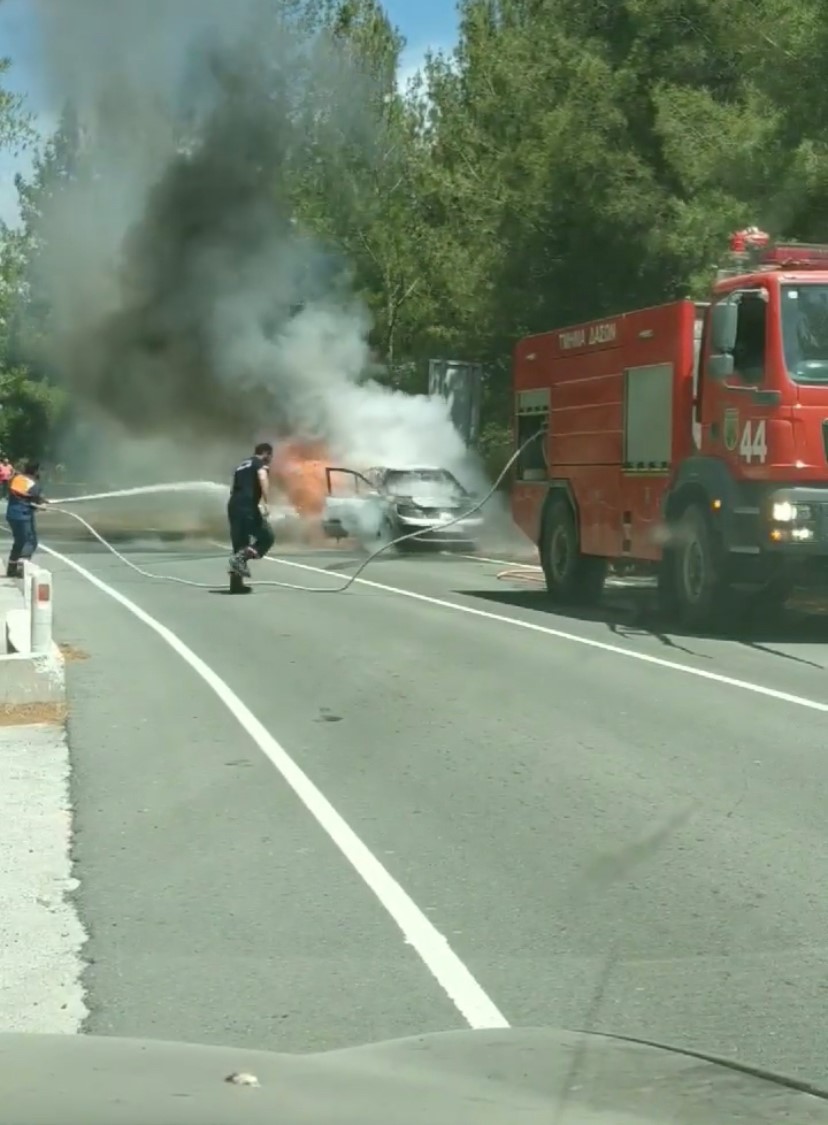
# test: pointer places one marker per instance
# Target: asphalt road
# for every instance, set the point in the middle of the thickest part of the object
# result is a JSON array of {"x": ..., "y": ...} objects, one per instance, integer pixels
[{"x": 634, "y": 846}]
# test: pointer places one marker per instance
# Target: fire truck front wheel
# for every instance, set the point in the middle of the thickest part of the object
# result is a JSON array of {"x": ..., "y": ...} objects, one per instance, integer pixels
[
  {"x": 570, "y": 576},
  {"x": 698, "y": 586}
]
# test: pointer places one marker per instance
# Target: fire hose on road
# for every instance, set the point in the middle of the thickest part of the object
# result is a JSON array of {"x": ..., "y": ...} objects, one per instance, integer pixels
[{"x": 62, "y": 508}]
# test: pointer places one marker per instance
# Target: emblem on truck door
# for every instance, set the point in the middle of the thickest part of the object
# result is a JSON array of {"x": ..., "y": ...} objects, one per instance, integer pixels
[{"x": 730, "y": 428}]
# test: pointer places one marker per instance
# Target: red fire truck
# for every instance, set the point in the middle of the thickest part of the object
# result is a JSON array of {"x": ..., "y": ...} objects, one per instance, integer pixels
[{"x": 690, "y": 438}]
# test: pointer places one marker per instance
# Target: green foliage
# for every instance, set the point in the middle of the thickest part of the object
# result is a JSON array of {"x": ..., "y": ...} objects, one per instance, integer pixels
[
  {"x": 570, "y": 158},
  {"x": 589, "y": 156},
  {"x": 55, "y": 167},
  {"x": 29, "y": 407},
  {"x": 29, "y": 411},
  {"x": 16, "y": 132}
]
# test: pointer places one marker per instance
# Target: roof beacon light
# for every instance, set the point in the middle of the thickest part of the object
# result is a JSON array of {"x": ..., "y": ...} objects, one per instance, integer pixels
[
  {"x": 748, "y": 241},
  {"x": 745, "y": 249}
]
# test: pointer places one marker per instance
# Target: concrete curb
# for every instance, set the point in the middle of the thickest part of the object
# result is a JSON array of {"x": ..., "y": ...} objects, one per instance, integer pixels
[
  {"x": 32, "y": 679},
  {"x": 31, "y": 664}
]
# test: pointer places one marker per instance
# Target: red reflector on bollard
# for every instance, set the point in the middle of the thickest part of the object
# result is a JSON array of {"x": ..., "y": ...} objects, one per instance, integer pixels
[{"x": 43, "y": 592}]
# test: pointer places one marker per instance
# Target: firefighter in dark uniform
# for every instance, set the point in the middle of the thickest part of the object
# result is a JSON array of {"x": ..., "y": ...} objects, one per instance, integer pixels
[
  {"x": 25, "y": 496},
  {"x": 247, "y": 512}
]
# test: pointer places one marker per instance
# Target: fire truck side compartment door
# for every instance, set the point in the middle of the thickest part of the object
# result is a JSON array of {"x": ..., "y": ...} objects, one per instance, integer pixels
[
  {"x": 647, "y": 453},
  {"x": 648, "y": 417}
]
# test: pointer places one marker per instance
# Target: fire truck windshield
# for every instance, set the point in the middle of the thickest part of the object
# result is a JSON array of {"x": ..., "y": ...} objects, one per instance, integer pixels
[{"x": 805, "y": 332}]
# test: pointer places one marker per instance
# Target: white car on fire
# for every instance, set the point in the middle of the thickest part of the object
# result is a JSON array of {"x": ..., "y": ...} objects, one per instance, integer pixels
[{"x": 382, "y": 504}]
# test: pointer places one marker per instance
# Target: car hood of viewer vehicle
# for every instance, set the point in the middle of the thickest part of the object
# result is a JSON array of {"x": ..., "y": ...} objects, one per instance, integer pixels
[{"x": 524, "y": 1076}]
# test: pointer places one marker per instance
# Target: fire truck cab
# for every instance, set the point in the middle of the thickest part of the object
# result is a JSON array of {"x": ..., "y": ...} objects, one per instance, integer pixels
[{"x": 690, "y": 438}]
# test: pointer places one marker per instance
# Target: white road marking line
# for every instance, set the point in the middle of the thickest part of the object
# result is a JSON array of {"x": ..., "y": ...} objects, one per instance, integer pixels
[
  {"x": 473, "y": 1004},
  {"x": 573, "y": 638}
]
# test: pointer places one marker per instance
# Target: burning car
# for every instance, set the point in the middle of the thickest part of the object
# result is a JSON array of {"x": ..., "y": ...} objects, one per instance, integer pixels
[{"x": 386, "y": 503}]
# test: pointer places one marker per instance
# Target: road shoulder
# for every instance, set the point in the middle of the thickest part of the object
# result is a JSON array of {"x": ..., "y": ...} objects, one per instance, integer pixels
[{"x": 41, "y": 936}]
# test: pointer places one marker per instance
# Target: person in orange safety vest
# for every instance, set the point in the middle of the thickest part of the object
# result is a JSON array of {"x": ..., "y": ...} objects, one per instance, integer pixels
[{"x": 25, "y": 495}]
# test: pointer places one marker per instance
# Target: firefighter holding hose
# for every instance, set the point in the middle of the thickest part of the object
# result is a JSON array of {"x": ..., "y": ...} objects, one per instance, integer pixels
[
  {"x": 247, "y": 510},
  {"x": 25, "y": 496}
]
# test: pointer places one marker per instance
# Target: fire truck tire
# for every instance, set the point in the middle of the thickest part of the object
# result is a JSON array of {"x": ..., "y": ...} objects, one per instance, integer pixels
[
  {"x": 570, "y": 576},
  {"x": 698, "y": 587}
]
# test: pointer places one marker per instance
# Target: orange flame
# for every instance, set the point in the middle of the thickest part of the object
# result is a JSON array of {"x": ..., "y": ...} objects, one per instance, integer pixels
[{"x": 299, "y": 470}]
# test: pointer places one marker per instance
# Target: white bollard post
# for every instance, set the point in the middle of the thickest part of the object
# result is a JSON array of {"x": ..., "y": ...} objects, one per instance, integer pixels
[
  {"x": 41, "y": 610},
  {"x": 28, "y": 579}
]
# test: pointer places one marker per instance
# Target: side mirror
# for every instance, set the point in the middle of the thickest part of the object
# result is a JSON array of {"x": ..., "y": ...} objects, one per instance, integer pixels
[
  {"x": 720, "y": 367},
  {"x": 723, "y": 319}
]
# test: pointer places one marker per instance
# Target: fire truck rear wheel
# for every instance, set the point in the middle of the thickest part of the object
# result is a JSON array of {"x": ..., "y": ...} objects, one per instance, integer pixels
[
  {"x": 570, "y": 576},
  {"x": 698, "y": 588}
]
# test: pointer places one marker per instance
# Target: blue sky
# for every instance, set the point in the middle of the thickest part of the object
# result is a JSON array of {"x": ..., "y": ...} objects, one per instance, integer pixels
[{"x": 424, "y": 23}]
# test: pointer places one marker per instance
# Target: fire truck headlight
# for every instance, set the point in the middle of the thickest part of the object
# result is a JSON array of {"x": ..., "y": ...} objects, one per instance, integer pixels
[{"x": 784, "y": 511}]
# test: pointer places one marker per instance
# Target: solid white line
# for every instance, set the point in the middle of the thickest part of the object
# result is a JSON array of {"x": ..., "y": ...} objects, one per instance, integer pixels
[
  {"x": 476, "y": 1008},
  {"x": 573, "y": 638}
]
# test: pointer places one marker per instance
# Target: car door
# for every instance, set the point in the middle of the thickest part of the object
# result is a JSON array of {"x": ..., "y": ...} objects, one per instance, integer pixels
[{"x": 354, "y": 502}]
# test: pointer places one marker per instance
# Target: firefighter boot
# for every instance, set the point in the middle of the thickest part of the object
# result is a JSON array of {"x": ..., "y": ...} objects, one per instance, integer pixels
[{"x": 238, "y": 565}]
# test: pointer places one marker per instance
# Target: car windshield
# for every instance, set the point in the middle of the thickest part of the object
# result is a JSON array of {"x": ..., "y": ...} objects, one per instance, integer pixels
[
  {"x": 805, "y": 332},
  {"x": 407, "y": 482}
]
